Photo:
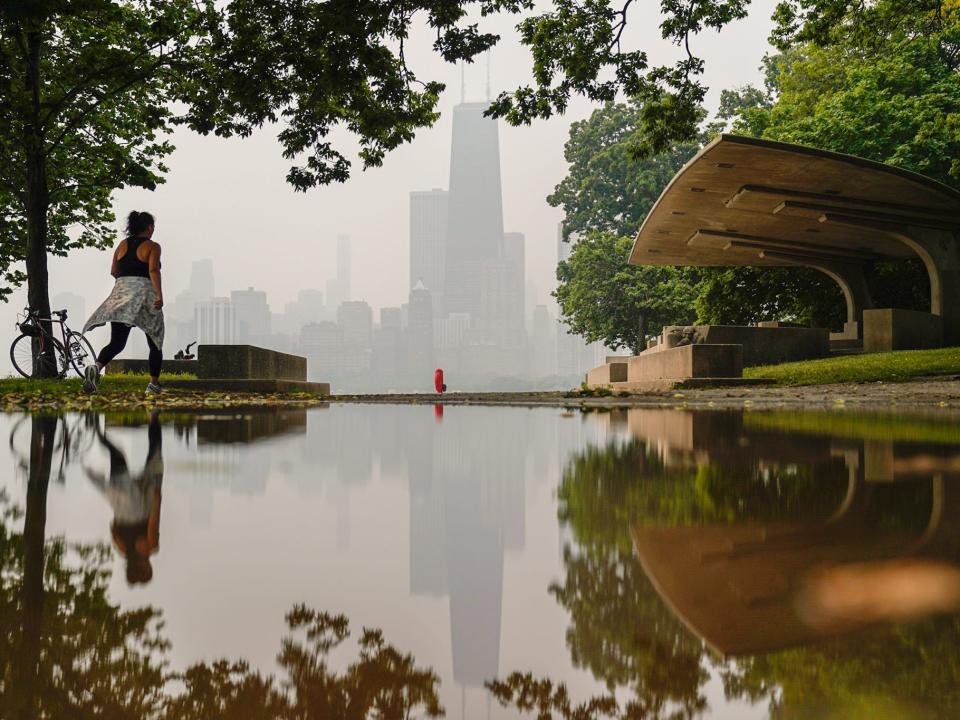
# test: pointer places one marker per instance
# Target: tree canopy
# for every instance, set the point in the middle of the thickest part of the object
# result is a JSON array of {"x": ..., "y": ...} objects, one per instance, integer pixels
[{"x": 877, "y": 80}]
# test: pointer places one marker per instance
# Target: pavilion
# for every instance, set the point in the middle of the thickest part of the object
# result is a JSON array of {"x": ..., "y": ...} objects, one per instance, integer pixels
[
  {"x": 749, "y": 202},
  {"x": 745, "y": 201}
]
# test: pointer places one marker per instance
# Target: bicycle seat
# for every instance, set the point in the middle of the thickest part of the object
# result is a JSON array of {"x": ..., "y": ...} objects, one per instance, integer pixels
[{"x": 62, "y": 314}]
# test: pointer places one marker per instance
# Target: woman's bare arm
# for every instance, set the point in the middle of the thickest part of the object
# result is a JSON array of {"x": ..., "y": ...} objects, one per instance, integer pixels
[
  {"x": 154, "y": 264},
  {"x": 115, "y": 265}
]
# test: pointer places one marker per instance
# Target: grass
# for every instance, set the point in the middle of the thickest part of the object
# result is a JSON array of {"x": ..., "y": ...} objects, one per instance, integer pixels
[
  {"x": 127, "y": 392},
  {"x": 885, "y": 427},
  {"x": 872, "y": 367}
]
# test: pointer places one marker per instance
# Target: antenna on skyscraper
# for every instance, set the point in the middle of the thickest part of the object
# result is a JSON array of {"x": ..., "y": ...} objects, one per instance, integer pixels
[{"x": 488, "y": 76}]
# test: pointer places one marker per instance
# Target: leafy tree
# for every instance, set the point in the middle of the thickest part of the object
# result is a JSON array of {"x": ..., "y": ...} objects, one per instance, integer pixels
[
  {"x": 605, "y": 196},
  {"x": 607, "y": 188},
  {"x": 603, "y": 298}
]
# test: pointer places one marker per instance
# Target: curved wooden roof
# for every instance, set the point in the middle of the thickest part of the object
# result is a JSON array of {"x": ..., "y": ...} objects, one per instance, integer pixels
[{"x": 745, "y": 201}]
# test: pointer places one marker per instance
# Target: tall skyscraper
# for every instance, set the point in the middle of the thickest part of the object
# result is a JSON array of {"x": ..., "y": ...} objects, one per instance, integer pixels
[
  {"x": 428, "y": 233},
  {"x": 201, "y": 280},
  {"x": 253, "y": 316},
  {"x": 344, "y": 266},
  {"x": 338, "y": 288},
  {"x": 475, "y": 207},
  {"x": 216, "y": 322},
  {"x": 544, "y": 342},
  {"x": 355, "y": 319},
  {"x": 320, "y": 342},
  {"x": 420, "y": 332},
  {"x": 514, "y": 305}
]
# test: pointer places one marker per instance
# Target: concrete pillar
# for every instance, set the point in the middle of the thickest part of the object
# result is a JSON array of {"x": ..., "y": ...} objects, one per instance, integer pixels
[
  {"x": 853, "y": 283},
  {"x": 940, "y": 252}
]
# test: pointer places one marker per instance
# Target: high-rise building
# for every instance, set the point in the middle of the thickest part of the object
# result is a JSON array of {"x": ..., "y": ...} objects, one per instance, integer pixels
[
  {"x": 428, "y": 233},
  {"x": 253, "y": 316},
  {"x": 216, "y": 322},
  {"x": 391, "y": 317},
  {"x": 355, "y": 319},
  {"x": 307, "y": 308},
  {"x": 420, "y": 356},
  {"x": 544, "y": 342},
  {"x": 389, "y": 351},
  {"x": 452, "y": 331},
  {"x": 335, "y": 296},
  {"x": 344, "y": 266},
  {"x": 475, "y": 207},
  {"x": 201, "y": 280},
  {"x": 338, "y": 288},
  {"x": 320, "y": 343}
]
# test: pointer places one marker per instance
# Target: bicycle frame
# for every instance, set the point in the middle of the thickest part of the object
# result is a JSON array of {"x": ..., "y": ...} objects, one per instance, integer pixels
[{"x": 59, "y": 319}]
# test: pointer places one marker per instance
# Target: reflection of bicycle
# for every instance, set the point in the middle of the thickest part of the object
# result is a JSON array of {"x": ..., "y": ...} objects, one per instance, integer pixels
[
  {"x": 73, "y": 438},
  {"x": 29, "y": 351}
]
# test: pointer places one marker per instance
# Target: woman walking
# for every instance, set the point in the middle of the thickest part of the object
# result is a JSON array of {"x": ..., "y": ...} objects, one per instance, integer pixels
[{"x": 135, "y": 301}]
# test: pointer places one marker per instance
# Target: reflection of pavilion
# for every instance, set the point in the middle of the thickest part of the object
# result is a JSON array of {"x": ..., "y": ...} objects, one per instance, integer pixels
[{"x": 738, "y": 586}]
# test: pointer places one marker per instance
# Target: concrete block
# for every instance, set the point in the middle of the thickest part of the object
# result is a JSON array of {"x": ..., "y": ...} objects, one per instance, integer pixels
[
  {"x": 687, "y": 361},
  {"x": 765, "y": 345},
  {"x": 893, "y": 329},
  {"x": 248, "y": 362},
  {"x": 608, "y": 374}
]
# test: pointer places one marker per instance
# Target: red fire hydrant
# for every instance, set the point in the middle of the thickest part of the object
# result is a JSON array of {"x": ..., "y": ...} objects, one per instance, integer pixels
[{"x": 438, "y": 381}]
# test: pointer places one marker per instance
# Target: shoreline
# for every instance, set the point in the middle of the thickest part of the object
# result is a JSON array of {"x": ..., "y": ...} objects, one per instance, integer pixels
[
  {"x": 929, "y": 393},
  {"x": 936, "y": 393}
]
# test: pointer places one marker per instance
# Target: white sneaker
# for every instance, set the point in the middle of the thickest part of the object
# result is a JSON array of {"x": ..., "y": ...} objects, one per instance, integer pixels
[
  {"x": 91, "y": 379},
  {"x": 153, "y": 389}
]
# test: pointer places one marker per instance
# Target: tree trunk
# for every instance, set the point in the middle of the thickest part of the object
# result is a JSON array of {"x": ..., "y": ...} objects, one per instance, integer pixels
[
  {"x": 37, "y": 206},
  {"x": 27, "y": 684}
]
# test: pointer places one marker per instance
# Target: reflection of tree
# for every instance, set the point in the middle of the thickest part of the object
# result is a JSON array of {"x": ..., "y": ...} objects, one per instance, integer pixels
[
  {"x": 620, "y": 629},
  {"x": 910, "y": 671},
  {"x": 381, "y": 683},
  {"x": 65, "y": 650}
]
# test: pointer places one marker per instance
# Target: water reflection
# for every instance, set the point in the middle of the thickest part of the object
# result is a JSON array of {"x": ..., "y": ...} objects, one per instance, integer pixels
[
  {"x": 135, "y": 500},
  {"x": 704, "y": 536},
  {"x": 809, "y": 563},
  {"x": 66, "y": 651}
]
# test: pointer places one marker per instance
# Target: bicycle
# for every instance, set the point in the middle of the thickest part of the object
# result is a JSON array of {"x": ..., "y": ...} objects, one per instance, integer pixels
[
  {"x": 27, "y": 353},
  {"x": 72, "y": 440}
]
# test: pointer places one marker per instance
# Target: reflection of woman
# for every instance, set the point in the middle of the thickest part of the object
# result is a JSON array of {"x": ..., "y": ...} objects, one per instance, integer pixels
[{"x": 136, "y": 503}]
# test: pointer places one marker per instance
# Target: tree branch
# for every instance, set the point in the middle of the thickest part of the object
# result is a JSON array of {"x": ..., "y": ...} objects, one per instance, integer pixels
[
  {"x": 73, "y": 124},
  {"x": 83, "y": 83}
]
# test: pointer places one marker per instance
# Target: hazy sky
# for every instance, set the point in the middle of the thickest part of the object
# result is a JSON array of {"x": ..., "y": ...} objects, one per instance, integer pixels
[{"x": 227, "y": 199}]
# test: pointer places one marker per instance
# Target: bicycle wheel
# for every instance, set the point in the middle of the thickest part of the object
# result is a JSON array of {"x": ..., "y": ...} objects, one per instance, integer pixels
[
  {"x": 27, "y": 360},
  {"x": 81, "y": 352}
]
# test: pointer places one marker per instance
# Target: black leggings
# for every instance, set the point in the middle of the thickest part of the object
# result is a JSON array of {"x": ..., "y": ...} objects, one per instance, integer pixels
[{"x": 118, "y": 340}]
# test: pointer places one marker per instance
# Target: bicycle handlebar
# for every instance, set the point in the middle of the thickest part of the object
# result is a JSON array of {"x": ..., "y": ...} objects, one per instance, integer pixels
[{"x": 33, "y": 314}]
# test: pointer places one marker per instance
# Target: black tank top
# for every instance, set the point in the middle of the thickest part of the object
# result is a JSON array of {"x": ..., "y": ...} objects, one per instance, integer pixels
[{"x": 130, "y": 265}]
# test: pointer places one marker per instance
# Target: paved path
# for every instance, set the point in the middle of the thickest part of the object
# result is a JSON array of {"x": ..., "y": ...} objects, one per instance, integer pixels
[{"x": 924, "y": 393}]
